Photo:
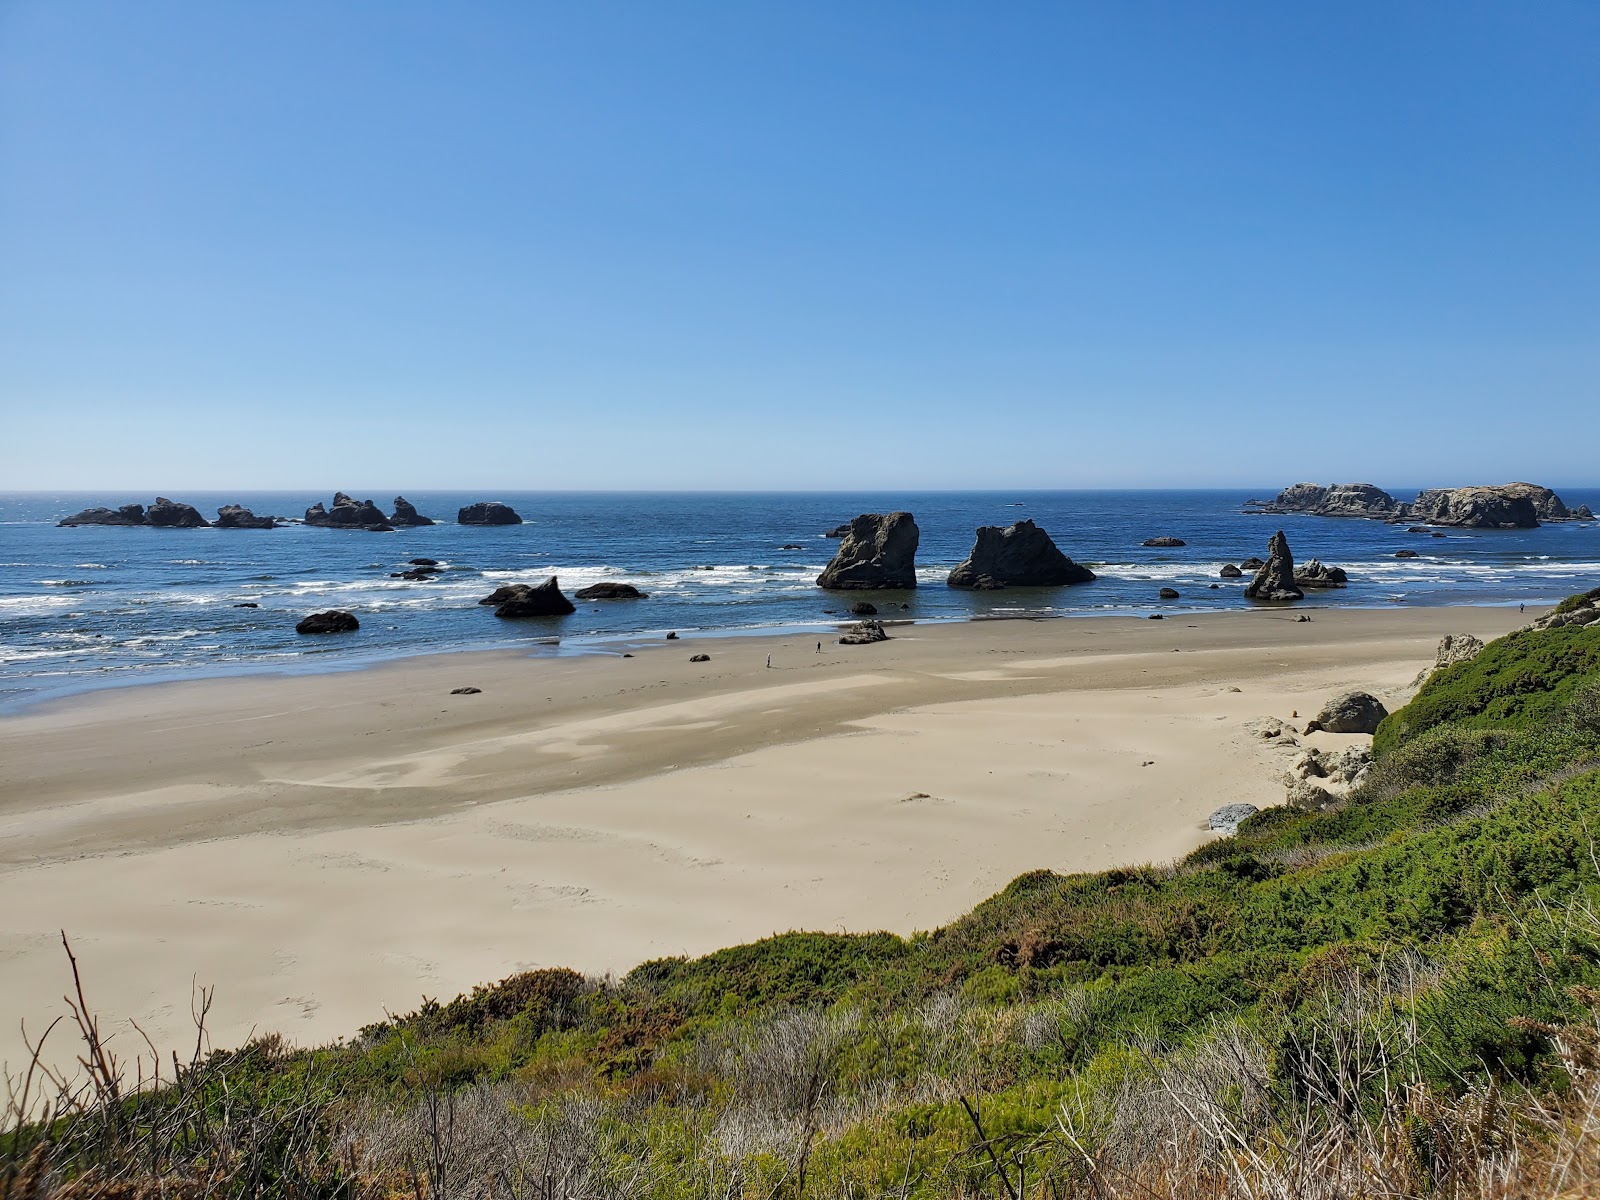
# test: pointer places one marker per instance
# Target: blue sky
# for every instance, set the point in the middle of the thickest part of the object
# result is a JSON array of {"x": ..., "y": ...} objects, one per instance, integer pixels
[{"x": 807, "y": 245}]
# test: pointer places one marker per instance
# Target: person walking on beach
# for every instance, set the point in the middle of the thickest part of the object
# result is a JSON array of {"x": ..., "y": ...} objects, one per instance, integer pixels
[
  {"x": 819, "y": 647},
  {"x": 1522, "y": 608},
  {"x": 769, "y": 662}
]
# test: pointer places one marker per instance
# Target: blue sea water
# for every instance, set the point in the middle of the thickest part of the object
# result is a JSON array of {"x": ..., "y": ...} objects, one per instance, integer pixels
[{"x": 96, "y": 606}]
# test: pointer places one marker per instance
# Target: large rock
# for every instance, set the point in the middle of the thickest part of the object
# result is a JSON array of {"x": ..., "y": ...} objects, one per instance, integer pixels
[
  {"x": 1457, "y": 648},
  {"x": 488, "y": 512},
  {"x": 128, "y": 514},
  {"x": 234, "y": 516},
  {"x": 333, "y": 621},
  {"x": 1337, "y": 500},
  {"x": 878, "y": 552},
  {"x": 405, "y": 513},
  {"x": 1583, "y": 610},
  {"x": 1020, "y": 555},
  {"x": 1229, "y": 571},
  {"x": 1226, "y": 819},
  {"x": 1547, "y": 504},
  {"x": 863, "y": 633},
  {"x": 522, "y": 600},
  {"x": 1352, "y": 712},
  {"x": 1476, "y": 507},
  {"x": 168, "y": 514},
  {"x": 1315, "y": 574},
  {"x": 348, "y": 513},
  {"x": 611, "y": 591},
  {"x": 1275, "y": 579},
  {"x": 1166, "y": 542}
]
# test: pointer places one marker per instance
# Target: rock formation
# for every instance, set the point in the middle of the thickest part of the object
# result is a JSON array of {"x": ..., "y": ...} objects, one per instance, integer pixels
[
  {"x": 1406, "y": 554},
  {"x": 163, "y": 514},
  {"x": 879, "y": 551},
  {"x": 862, "y": 609},
  {"x": 611, "y": 591},
  {"x": 863, "y": 633},
  {"x": 1167, "y": 593},
  {"x": 1315, "y": 574},
  {"x": 1020, "y": 555},
  {"x": 488, "y": 512},
  {"x": 234, "y": 516},
  {"x": 1275, "y": 579},
  {"x": 838, "y": 531},
  {"x": 1584, "y": 610},
  {"x": 1338, "y": 500},
  {"x": 1352, "y": 712},
  {"x": 1164, "y": 541},
  {"x": 1229, "y": 571},
  {"x": 1225, "y": 820},
  {"x": 1457, "y": 648},
  {"x": 333, "y": 621},
  {"x": 522, "y": 600},
  {"x": 1500, "y": 507},
  {"x": 405, "y": 513},
  {"x": 348, "y": 513},
  {"x": 1477, "y": 508}
]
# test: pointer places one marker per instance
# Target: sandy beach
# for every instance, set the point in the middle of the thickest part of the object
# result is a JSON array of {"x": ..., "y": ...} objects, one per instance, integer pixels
[{"x": 322, "y": 848}]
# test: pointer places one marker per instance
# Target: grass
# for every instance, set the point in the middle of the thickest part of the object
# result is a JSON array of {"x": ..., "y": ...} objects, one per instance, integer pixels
[{"x": 1394, "y": 997}]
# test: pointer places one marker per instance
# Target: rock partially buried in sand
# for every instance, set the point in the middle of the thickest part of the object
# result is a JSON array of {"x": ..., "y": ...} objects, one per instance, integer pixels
[
  {"x": 488, "y": 512},
  {"x": 700, "y": 658},
  {"x": 1275, "y": 579},
  {"x": 1226, "y": 819},
  {"x": 333, "y": 621},
  {"x": 1019, "y": 555},
  {"x": 1164, "y": 541},
  {"x": 531, "y": 600},
  {"x": 1352, "y": 712},
  {"x": 878, "y": 552},
  {"x": 466, "y": 691},
  {"x": 611, "y": 591},
  {"x": 863, "y": 633}
]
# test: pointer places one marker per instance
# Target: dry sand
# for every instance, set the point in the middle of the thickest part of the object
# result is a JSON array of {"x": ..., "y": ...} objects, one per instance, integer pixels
[{"x": 322, "y": 848}]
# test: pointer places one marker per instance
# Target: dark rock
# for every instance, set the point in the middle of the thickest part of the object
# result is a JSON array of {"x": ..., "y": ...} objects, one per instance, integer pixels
[
  {"x": 1315, "y": 574},
  {"x": 791, "y": 546},
  {"x": 332, "y": 621},
  {"x": 1509, "y": 507},
  {"x": 1275, "y": 579},
  {"x": 1020, "y": 555},
  {"x": 1406, "y": 554},
  {"x": 1353, "y": 712},
  {"x": 415, "y": 574},
  {"x": 863, "y": 633},
  {"x": 1169, "y": 593},
  {"x": 700, "y": 658},
  {"x": 1252, "y": 564},
  {"x": 232, "y": 516},
  {"x": 878, "y": 552},
  {"x": 248, "y": 604},
  {"x": 838, "y": 531},
  {"x": 1229, "y": 571},
  {"x": 1339, "y": 500},
  {"x": 406, "y": 514},
  {"x": 423, "y": 562},
  {"x": 466, "y": 691},
  {"x": 672, "y": 637},
  {"x": 986, "y": 583},
  {"x": 1439, "y": 535},
  {"x": 1215, "y": 587},
  {"x": 128, "y": 514},
  {"x": 1163, "y": 541},
  {"x": 167, "y": 514},
  {"x": 532, "y": 600},
  {"x": 504, "y": 592},
  {"x": 488, "y": 512},
  {"x": 1157, "y": 617},
  {"x": 1418, "y": 529},
  {"x": 611, "y": 591},
  {"x": 347, "y": 513},
  {"x": 862, "y": 609}
]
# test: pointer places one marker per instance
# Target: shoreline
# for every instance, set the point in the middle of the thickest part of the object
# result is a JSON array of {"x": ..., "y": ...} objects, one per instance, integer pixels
[{"x": 337, "y": 843}]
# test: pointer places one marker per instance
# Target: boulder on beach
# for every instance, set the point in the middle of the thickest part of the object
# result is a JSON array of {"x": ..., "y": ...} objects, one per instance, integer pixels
[
  {"x": 863, "y": 633},
  {"x": 1226, "y": 819},
  {"x": 333, "y": 621},
  {"x": 168, "y": 514},
  {"x": 1229, "y": 571},
  {"x": 879, "y": 552},
  {"x": 1275, "y": 579},
  {"x": 1351, "y": 712},
  {"x": 406, "y": 514},
  {"x": 128, "y": 514},
  {"x": 488, "y": 512},
  {"x": 699, "y": 658},
  {"x": 1164, "y": 541},
  {"x": 1315, "y": 574},
  {"x": 611, "y": 591},
  {"x": 1019, "y": 555},
  {"x": 522, "y": 600},
  {"x": 349, "y": 513},
  {"x": 234, "y": 516}
]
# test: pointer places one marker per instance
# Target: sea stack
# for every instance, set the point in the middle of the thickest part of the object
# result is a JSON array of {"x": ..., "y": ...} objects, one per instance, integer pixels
[
  {"x": 1275, "y": 579},
  {"x": 235, "y": 516},
  {"x": 522, "y": 600},
  {"x": 1020, "y": 555},
  {"x": 348, "y": 513},
  {"x": 488, "y": 512},
  {"x": 405, "y": 513},
  {"x": 878, "y": 552}
]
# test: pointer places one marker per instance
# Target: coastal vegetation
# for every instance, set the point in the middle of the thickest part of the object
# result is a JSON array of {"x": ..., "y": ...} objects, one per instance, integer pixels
[{"x": 1397, "y": 995}]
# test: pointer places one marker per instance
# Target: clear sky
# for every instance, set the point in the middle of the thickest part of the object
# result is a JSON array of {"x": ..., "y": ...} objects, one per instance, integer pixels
[{"x": 797, "y": 245}]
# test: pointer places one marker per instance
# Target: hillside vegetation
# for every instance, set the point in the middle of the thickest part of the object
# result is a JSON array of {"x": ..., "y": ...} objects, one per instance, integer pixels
[{"x": 1397, "y": 996}]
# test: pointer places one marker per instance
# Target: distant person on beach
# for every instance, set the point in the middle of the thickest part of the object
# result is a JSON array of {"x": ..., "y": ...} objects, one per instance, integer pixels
[
  {"x": 1522, "y": 608},
  {"x": 819, "y": 647}
]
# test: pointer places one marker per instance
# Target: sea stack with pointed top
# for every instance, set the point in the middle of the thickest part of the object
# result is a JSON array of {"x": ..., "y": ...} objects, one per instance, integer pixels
[
  {"x": 1020, "y": 555},
  {"x": 405, "y": 513},
  {"x": 1275, "y": 579},
  {"x": 879, "y": 552}
]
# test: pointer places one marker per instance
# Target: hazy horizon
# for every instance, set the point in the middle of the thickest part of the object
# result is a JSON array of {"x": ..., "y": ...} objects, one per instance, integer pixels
[{"x": 796, "y": 247}]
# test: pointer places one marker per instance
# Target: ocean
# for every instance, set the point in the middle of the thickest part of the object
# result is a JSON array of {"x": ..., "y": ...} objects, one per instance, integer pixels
[{"x": 100, "y": 606}]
